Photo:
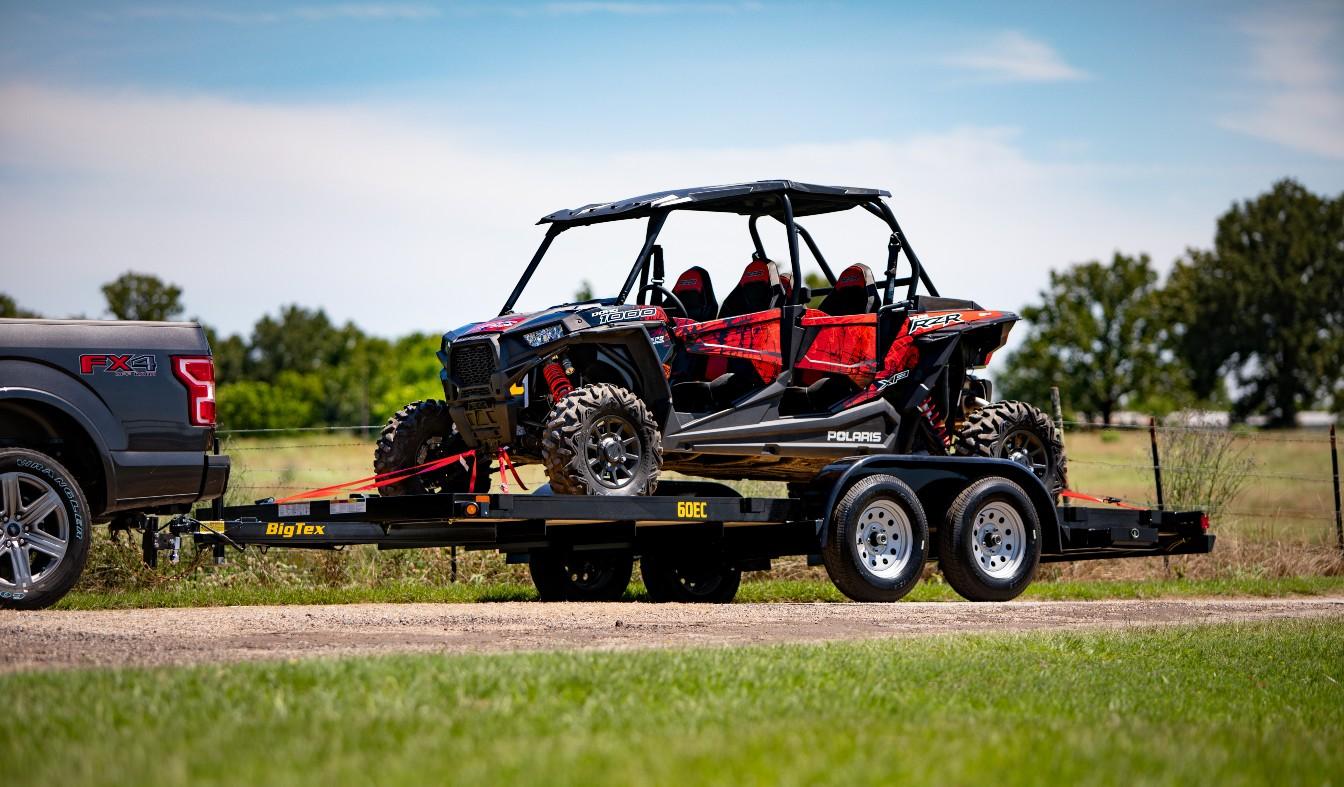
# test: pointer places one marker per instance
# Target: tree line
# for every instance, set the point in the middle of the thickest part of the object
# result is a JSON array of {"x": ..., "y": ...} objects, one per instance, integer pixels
[{"x": 1254, "y": 325}]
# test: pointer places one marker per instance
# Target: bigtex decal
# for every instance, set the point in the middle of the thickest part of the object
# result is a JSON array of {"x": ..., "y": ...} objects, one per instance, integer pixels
[
  {"x": 120, "y": 365},
  {"x": 291, "y": 529}
]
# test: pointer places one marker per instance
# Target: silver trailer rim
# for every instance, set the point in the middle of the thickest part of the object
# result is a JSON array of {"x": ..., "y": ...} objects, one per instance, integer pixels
[
  {"x": 883, "y": 539},
  {"x": 34, "y": 530},
  {"x": 999, "y": 539}
]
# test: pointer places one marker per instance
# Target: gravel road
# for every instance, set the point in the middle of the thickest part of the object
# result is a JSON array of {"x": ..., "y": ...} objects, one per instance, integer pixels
[{"x": 146, "y": 637}]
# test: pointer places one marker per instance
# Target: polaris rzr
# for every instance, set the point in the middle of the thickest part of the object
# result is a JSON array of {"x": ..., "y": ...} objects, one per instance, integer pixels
[{"x": 608, "y": 392}]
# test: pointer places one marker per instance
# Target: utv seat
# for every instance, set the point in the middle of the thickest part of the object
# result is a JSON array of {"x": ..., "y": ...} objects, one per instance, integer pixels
[
  {"x": 696, "y": 292},
  {"x": 855, "y": 292},
  {"x": 758, "y": 290}
]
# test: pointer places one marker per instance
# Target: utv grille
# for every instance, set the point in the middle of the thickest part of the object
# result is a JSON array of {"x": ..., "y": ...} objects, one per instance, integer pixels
[{"x": 473, "y": 364}]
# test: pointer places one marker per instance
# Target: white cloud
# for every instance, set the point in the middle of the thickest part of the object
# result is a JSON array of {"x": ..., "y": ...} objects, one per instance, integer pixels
[
  {"x": 402, "y": 226},
  {"x": 1296, "y": 81},
  {"x": 1012, "y": 56}
]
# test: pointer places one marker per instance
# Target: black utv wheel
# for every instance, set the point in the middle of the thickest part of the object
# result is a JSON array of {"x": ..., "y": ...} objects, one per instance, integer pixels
[
  {"x": 1020, "y": 432},
  {"x": 878, "y": 540},
  {"x": 990, "y": 543},
  {"x": 601, "y": 440},
  {"x": 419, "y": 433},
  {"x": 688, "y": 580},
  {"x": 44, "y": 530},
  {"x": 580, "y": 576}
]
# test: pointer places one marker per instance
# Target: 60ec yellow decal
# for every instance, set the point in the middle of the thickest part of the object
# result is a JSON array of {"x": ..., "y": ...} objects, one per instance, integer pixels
[{"x": 692, "y": 509}]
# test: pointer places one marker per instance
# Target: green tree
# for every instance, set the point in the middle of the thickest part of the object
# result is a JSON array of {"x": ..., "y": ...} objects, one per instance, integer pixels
[
  {"x": 299, "y": 340},
  {"x": 584, "y": 292},
  {"x": 10, "y": 308},
  {"x": 1264, "y": 305},
  {"x": 142, "y": 296},
  {"x": 1095, "y": 334}
]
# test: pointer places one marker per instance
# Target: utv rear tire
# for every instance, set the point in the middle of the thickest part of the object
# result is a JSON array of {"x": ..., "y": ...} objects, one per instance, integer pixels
[
  {"x": 421, "y": 432},
  {"x": 989, "y": 546},
  {"x": 600, "y": 439},
  {"x": 44, "y": 530},
  {"x": 688, "y": 580},
  {"x": 877, "y": 541},
  {"x": 580, "y": 576},
  {"x": 1021, "y": 432}
]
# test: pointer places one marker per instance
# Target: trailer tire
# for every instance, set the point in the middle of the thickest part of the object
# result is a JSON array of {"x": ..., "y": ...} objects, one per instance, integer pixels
[
  {"x": 44, "y": 530},
  {"x": 689, "y": 581},
  {"x": 580, "y": 576},
  {"x": 989, "y": 546},
  {"x": 877, "y": 540},
  {"x": 421, "y": 432},
  {"x": 597, "y": 430},
  {"x": 1020, "y": 432}
]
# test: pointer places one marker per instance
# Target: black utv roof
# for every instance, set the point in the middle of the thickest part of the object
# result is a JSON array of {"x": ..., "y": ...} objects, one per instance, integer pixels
[{"x": 745, "y": 198}]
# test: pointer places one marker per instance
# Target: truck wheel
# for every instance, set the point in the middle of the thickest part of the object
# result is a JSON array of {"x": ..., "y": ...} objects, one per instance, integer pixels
[
  {"x": 689, "y": 581},
  {"x": 421, "y": 432},
  {"x": 580, "y": 576},
  {"x": 44, "y": 530},
  {"x": 877, "y": 541},
  {"x": 1020, "y": 432},
  {"x": 990, "y": 544},
  {"x": 601, "y": 440}
]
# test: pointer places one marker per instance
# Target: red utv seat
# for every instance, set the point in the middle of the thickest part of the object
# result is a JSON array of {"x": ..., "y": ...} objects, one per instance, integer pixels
[
  {"x": 855, "y": 292},
  {"x": 696, "y": 293},
  {"x": 758, "y": 290},
  {"x": 786, "y": 284}
]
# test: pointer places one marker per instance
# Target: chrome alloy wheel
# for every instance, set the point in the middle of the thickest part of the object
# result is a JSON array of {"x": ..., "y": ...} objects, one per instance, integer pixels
[
  {"x": 613, "y": 451},
  {"x": 34, "y": 531},
  {"x": 998, "y": 541},
  {"x": 883, "y": 539},
  {"x": 1027, "y": 449}
]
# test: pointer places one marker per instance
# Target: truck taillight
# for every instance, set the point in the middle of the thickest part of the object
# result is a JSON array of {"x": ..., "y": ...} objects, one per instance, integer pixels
[{"x": 197, "y": 373}]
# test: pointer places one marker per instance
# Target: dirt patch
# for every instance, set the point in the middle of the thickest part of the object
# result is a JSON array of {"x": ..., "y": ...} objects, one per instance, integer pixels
[{"x": 147, "y": 637}]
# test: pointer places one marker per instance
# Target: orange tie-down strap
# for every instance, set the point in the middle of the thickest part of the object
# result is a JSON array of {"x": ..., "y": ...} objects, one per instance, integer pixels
[
  {"x": 1114, "y": 501},
  {"x": 396, "y": 476}
]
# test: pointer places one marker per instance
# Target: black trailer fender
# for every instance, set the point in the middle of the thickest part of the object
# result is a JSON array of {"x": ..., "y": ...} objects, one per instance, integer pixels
[{"x": 936, "y": 480}]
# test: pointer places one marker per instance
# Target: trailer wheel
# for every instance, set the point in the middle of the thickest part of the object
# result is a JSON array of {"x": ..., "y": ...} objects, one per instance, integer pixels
[
  {"x": 689, "y": 581},
  {"x": 421, "y": 432},
  {"x": 1020, "y": 432},
  {"x": 601, "y": 439},
  {"x": 44, "y": 530},
  {"x": 580, "y": 576},
  {"x": 877, "y": 541},
  {"x": 989, "y": 546}
]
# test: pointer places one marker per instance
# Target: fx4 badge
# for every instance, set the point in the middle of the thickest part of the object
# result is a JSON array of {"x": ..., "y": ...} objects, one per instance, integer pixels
[{"x": 119, "y": 365}]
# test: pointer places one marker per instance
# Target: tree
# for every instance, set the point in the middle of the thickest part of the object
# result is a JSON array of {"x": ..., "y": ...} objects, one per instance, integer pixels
[
  {"x": 1095, "y": 334},
  {"x": 584, "y": 292},
  {"x": 300, "y": 340},
  {"x": 1264, "y": 304},
  {"x": 10, "y": 308},
  {"x": 142, "y": 296}
]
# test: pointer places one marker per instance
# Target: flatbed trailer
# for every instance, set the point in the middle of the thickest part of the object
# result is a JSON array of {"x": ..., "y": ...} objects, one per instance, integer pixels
[{"x": 694, "y": 539}]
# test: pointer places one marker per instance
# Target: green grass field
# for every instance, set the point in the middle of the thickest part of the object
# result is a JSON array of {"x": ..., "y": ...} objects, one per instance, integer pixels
[{"x": 1224, "y": 704}]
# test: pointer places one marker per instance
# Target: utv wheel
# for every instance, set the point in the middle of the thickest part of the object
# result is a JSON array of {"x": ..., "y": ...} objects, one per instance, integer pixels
[
  {"x": 601, "y": 440},
  {"x": 1020, "y": 432},
  {"x": 421, "y": 432},
  {"x": 989, "y": 546},
  {"x": 580, "y": 576},
  {"x": 44, "y": 530},
  {"x": 878, "y": 539},
  {"x": 689, "y": 581}
]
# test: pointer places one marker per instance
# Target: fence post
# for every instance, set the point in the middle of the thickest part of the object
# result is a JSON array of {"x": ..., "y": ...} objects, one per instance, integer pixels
[
  {"x": 1157, "y": 461},
  {"x": 452, "y": 551},
  {"x": 1334, "y": 462},
  {"x": 1059, "y": 427}
]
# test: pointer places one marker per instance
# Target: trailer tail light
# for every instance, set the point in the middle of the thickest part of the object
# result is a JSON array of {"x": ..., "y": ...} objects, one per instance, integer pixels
[
  {"x": 197, "y": 373},
  {"x": 1204, "y": 522}
]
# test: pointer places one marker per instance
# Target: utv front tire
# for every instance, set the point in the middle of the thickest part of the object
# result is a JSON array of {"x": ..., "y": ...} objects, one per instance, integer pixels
[
  {"x": 419, "y": 433},
  {"x": 1020, "y": 432},
  {"x": 600, "y": 439}
]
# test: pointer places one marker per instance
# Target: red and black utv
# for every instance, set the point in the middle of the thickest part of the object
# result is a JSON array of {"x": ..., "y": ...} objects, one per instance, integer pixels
[{"x": 772, "y": 381}]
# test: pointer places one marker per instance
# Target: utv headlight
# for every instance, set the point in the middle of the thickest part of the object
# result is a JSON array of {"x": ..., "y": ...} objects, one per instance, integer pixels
[{"x": 544, "y": 335}]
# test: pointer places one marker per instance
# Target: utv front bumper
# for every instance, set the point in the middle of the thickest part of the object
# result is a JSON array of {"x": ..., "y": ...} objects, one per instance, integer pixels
[{"x": 482, "y": 396}]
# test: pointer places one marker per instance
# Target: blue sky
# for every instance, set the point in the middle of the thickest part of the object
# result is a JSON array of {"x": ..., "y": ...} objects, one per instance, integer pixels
[{"x": 261, "y": 154}]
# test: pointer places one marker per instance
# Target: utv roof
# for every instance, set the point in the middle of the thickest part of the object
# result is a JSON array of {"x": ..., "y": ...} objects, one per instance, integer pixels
[{"x": 745, "y": 198}]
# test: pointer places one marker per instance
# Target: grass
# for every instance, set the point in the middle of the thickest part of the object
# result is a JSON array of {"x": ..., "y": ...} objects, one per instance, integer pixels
[
  {"x": 778, "y": 590},
  {"x": 1223, "y": 704}
]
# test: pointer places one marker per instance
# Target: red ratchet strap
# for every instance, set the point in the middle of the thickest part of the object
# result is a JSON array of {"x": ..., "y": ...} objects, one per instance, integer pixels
[
  {"x": 1115, "y": 501},
  {"x": 506, "y": 463},
  {"x": 386, "y": 479}
]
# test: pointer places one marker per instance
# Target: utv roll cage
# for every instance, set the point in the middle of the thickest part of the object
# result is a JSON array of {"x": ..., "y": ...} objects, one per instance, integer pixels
[{"x": 783, "y": 200}]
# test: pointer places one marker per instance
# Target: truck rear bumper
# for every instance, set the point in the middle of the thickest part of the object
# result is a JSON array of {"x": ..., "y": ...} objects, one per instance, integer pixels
[
  {"x": 153, "y": 479},
  {"x": 216, "y": 476}
]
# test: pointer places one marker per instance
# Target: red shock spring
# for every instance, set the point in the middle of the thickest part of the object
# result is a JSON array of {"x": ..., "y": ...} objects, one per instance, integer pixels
[
  {"x": 936, "y": 420},
  {"x": 557, "y": 380}
]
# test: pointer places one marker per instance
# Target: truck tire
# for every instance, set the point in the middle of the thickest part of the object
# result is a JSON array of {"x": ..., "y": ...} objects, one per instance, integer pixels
[
  {"x": 580, "y": 576},
  {"x": 1020, "y": 432},
  {"x": 44, "y": 530},
  {"x": 990, "y": 543},
  {"x": 421, "y": 432},
  {"x": 689, "y": 581},
  {"x": 877, "y": 540},
  {"x": 600, "y": 439}
]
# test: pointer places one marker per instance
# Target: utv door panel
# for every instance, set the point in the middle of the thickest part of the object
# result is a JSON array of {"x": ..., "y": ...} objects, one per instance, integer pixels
[
  {"x": 751, "y": 337},
  {"x": 845, "y": 345}
]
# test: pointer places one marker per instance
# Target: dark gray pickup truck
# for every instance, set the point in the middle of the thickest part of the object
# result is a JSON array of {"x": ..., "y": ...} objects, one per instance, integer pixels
[{"x": 98, "y": 420}]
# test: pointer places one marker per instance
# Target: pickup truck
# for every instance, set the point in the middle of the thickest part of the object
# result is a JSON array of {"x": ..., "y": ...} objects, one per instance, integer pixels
[{"x": 99, "y": 420}]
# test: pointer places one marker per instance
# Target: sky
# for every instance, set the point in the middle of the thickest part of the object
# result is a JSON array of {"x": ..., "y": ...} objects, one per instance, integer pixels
[{"x": 388, "y": 161}]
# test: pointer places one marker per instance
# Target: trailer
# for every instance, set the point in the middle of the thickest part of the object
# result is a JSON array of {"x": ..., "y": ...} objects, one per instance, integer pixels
[{"x": 873, "y": 522}]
